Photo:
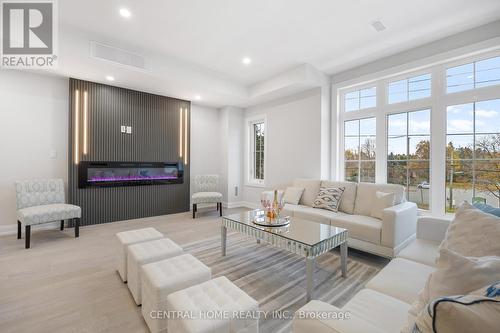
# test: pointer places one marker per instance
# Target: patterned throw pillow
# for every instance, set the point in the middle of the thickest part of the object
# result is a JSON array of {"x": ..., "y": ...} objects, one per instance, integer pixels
[
  {"x": 478, "y": 311},
  {"x": 329, "y": 198}
]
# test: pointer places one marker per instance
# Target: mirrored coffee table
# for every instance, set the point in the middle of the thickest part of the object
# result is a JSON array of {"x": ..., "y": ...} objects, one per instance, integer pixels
[{"x": 305, "y": 238}]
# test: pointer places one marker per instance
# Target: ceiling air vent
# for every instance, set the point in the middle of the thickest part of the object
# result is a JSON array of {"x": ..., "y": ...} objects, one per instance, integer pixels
[{"x": 118, "y": 56}]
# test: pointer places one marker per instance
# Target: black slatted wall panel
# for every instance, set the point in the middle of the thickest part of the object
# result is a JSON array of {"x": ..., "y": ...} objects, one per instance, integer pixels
[{"x": 155, "y": 138}]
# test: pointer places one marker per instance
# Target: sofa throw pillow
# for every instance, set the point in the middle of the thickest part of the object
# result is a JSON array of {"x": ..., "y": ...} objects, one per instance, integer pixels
[
  {"x": 478, "y": 311},
  {"x": 457, "y": 275},
  {"x": 329, "y": 198},
  {"x": 292, "y": 195},
  {"x": 348, "y": 197},
  {"x": 488, "y": 209},
  {"x": 382, "y": 201},
  {"x": 311, "y": 189},
  {"x": 473, "y": 233}
]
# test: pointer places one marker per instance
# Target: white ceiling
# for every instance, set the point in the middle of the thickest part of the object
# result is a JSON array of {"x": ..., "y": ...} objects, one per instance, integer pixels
[{"x": 196, "y": 46}]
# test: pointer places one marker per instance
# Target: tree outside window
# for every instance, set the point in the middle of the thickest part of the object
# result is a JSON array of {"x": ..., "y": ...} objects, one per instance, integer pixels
[
  {"x": 473, "y": 154},
  {"x": 408, "y": 147},
  {"x": 258, "y": 154},
  {"x": 359, "y": 150}
]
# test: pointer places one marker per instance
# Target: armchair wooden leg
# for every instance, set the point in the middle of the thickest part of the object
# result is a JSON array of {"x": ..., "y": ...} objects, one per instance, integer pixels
[
  {"x": 217, "y": 206},
  {"x": 220, "y": 210},
  {"x": 62, "y": 225},
  {"x": 18, "y": 230},
  {"x": 27, "y": 235},
  {"x": 194, "y": 210},
  {"x": 77, "y": 227}
]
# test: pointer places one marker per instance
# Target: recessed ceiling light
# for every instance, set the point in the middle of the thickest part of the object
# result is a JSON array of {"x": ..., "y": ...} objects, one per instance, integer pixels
[
  {"x": 125, "y": 12},
  {"x": 110, "y": 78},
  {"x": 246, "y": 61},
  {"x": 378, "y": 26},
  {"x": 197, "y": 97}
]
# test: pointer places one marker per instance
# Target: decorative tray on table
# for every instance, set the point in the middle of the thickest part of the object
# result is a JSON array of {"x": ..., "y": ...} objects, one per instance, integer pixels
[{"x": 265, "y": 221}]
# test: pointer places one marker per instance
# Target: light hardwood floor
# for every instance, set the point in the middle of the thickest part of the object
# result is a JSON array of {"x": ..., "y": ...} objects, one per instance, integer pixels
[{"x": 63, "y": 284}]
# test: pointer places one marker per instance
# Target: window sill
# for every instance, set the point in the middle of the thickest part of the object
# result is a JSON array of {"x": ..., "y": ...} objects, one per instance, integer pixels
[
  {"x": 423, "y": 212},
  {"x": 255, "y": 185}
]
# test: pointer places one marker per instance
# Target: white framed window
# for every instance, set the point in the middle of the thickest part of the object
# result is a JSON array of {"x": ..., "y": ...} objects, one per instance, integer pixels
[
  {"x": 257, "y": 150},
  {"x": 473, "y": 153},
  {"x": 478, "y": 74},
  {"x": 359, "y": 150},
  {"x": 408, "y": 154},
  {"x": 409, "y": 89},
  {"x": 360, "y": 99},
  {"x": 447, "y": 147}
]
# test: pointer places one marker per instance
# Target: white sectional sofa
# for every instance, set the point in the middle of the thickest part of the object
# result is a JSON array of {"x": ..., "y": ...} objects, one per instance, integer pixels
[
  {"x": 384, "y": 237},
  {"x": 383, "y": 305}
]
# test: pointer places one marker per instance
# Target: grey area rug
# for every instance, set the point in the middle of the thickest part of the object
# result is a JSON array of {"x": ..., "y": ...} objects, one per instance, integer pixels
[{"x": 276, "y": 278}]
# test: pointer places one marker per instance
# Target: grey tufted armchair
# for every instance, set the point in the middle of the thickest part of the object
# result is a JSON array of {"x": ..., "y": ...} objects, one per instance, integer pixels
[
  {"x": 206, "y": 189},
  {"x": 42, "y": 201}
]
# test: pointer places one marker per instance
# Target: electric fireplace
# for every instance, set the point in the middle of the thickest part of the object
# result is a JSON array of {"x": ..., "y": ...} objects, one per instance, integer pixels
[{"x": 109, "y": 174}]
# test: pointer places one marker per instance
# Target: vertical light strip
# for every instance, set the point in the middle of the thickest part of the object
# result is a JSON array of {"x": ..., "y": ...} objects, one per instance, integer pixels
[
  {"x": 77, "y": 124},
  {"x": 85, "y": 123},
  {"x": 180, "y": 133},
  {"x": 186, "y": 136}
]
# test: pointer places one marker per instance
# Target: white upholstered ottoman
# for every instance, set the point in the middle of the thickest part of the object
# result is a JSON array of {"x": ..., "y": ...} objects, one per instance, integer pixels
[
  {"x": 238, "y": 311},
  {"x": 161, "y": 278},
  {"x": 126, "y": 238},
  {"x": 144, "y": 253}
]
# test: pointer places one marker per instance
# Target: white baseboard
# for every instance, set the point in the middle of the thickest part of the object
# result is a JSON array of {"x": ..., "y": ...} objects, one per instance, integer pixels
[
  {"x": 11, "y": 229},
  {"x": 233, "y": 204}
]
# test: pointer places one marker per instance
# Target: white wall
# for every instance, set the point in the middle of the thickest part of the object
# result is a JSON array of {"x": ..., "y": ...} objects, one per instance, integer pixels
[
  {"x": 216, "y": 147},
  {"x": 231, "y": 122},
  {"x": 34, "y": 126},
  {"x": 205, "y": 142},
  {"x": 218, "y": 141},
  {"x": 293, "y": 144},
  {"x": 34, "y": 119},
  {"x": 34, "y": 115}
]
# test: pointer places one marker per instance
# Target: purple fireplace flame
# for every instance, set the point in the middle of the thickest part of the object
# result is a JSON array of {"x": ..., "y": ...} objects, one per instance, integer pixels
[
  {"x": 97, "y": 174},
  {"x": 129, "y": 178},
  {"x": 125, "y": 174}
]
